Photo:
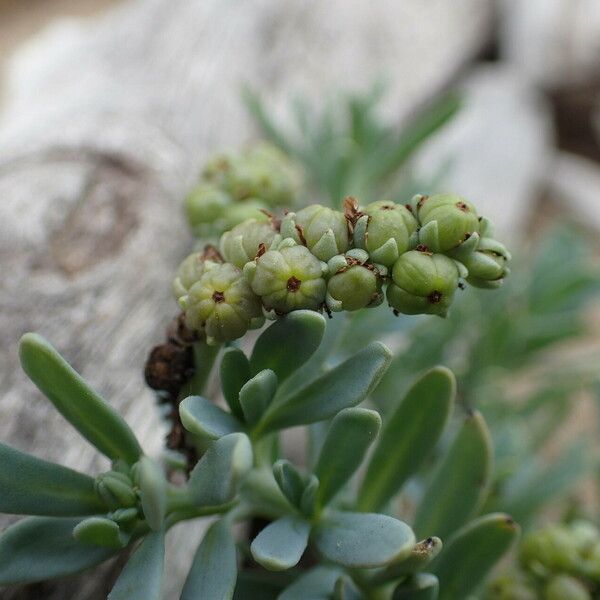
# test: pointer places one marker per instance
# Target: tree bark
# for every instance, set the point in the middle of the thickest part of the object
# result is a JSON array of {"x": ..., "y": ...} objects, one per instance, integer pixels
[{"x": 105, "y": 128}]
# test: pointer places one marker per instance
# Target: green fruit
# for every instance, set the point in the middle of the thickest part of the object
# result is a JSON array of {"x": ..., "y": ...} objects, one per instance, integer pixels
[
  {"x": 446, "y": 221},
  {"x": 552, "y": 548},
  {"x": 221, "y": 304},
  {"x": 486, "y": 268},
  {"x": 564, "y": 587},
  {"x": 385, "y": 230},
  {"x": 192, "y": 268},
  {"x": 206, "y": 204},
  {"x": 322, "y": 230},
  {"x": 423, "y": 283},
  {"x": 287, "y": 279},
  {"x": 242, "y": 211},
  {"x": 242, "y": 243},
  {"x": 509, "y": 587}
]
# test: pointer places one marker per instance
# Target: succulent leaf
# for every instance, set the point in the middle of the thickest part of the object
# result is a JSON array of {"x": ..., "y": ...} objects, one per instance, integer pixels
[
  {"x": 422, "y": 586},
  {"x": 153, "y": 491},
  {"x": 234, "y": 373},
  {"x": 256, "y": 395},
  {"x": 280, "y": 545},
  {"x": 100, "y": 531},
  {"x": 206, "y": 420}
]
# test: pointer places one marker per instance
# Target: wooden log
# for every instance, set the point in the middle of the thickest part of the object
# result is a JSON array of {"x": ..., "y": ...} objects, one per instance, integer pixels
[{"x": 104, "y": 130}]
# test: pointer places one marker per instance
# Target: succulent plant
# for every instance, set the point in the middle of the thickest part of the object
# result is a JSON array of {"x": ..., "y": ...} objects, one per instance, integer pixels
[{"x": 241, "y": 244}]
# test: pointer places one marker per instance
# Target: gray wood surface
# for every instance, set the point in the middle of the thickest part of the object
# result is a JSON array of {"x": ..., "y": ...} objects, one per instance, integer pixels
[{"x": 105, "y": 127}]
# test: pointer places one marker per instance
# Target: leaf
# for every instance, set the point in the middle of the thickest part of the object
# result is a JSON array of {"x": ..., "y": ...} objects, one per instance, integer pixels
[
  {"x": 345, "y": 589},
  {"x": 346, "y": 385},
  {"x": 234, "y": 372},
  {"x": 93, "y": 417},
  {"x": 351, "y": 433},
  {"x": 141, "y": 579},
  {"x": 316, "y": 584},
  {"x": 471, "y": 554},
  {"x": 290, "y": 481},
  {"x": 206, "y": 420},
  {"x": 288, "y": 343},
  {"x": 362, "y": 540},
  {"x": 280, "y": 545},
  {"x": 31, "y": 486},
  {"x": 460, "y": 483},
  {"x": 410, "y": 434},
  {"x": 38, "y": 548},
  {"x": 215, "y": 478},
  {"x": 100, "y": 531},
  {"x": 214, "y": 570},
  {"x": 420, "y": 556},
  {"x": 153, "y": 492},
  {"x": 423, "y": 586},
  {"x": 256, "y": 395}
]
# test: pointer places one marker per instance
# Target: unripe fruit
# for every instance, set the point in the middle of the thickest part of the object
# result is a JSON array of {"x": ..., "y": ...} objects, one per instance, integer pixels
[
  {"x": 385, "y": 230},
  {"x": 241, "y": 244},
  {"x": 206, "y": 204},
  {"x": 287, "y": 279},
  {"x": 486, "y": 268},
  {"x": 192, "y": 268},
  {"x": 423, "y": 283},
  {"x": 446, "y": 221},
  {"x": 564, "y": 587},
  {"x": 221, "y": 304},
  {"x": 322, "y": 230}
]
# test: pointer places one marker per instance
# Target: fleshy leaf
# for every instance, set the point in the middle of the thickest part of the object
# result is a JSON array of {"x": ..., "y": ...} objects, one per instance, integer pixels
[
  {"x": 290, "y": 481},
  {"x": 460, "y": 482},
  {"x": 234, "y": 372},
  {"x": 410, "y": 433},
  {"x": 141, "y": 579},
  {"x": 31, "y": 486},
  {"x": 288, "y": 343},
  {"x": 153, "y": 492},
  {"x": 363, "y": 540},
  {"x": 38, "y": 548},
  {"x": 351, "y": 433},
  {"x": 100, "y": 531},
  {"x": 346, "y": 385},
  {"x": 92, "y": 416},
  {"x": 345, "y": 589},
  {"x": 423, "y": 586},
  {"x": 316, "y": 584},
  {"x": 280, "y": 544},
  {"x": 214, "y": 569},
  {"x": 215, "y": 477},
  {"x": 471, "y": 554},
  {"x": 206, "y": 420},
  {"x": 256, "y": 395}
]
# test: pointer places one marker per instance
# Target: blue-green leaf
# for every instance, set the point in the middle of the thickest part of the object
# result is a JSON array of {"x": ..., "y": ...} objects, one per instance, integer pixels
[
  {"x": 214, "y": 569},
  {"x": 38, "y": 548},
  {"x": 215, "y": 477},
  {"x": 234, "y": 372},
  {"x": 423, "y": 586},
  {"x": 409, "y": 435},
  {"x": 100, "y": 531},
  {"x": 153, "y": 491},
  {"x": 351, "y": 433},
  {"x": 256, "y": 395},
  {"x": 31, "y": 486},
  {"x": 471, "y": 553},
  {"x": 93, "y": 417},
  {"x": 141, "y": 579},
  {"x": 363, "y": 540},
  {"x": 460, "y": 483},
  {"x": 288, "y": 343},
  {"x": 290, "y": 481},
  {"x": 345, "y": 589},
  {"x": 206, "y": 420},
  {"x": 316, "y": 584},
  {"x": 346, "y": 385},
  {"x": 280, "y": 544}
]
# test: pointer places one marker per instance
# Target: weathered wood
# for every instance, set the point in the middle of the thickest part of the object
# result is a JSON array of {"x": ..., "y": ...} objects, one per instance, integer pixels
[{"x": 104, "y": 130}]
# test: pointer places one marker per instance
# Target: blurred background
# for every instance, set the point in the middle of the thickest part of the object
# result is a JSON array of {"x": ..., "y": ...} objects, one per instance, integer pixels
[{"x": 109, "y": 108}]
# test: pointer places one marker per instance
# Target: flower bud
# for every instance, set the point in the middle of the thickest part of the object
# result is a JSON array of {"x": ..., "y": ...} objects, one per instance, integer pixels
[
  {"x": 289, "y": 278},
  {"x": 446, "y": 221},
  {"x": 192, "y": 268},
  {"x": 385, "y": 230},
  {"x": 206, "y": 204},
  {"x": 241, "y": 244},
  {"x": 564, "y": 587},
  {"x": 115, "y": 489},
  {"x": 486, "y": 269},
  {"x": 355, "y": 283},
  {"x": 221, "y": 304},
  {"x": 423, "y": 283},
  {"x": 322, "y": 230},
  {"x": 550, "y": 549}
]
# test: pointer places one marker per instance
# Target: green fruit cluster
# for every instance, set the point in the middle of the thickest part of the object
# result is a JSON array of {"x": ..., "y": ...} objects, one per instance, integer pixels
[
  {"x": 323, "y": 259},
  {"x": 240, "y": 185}
]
